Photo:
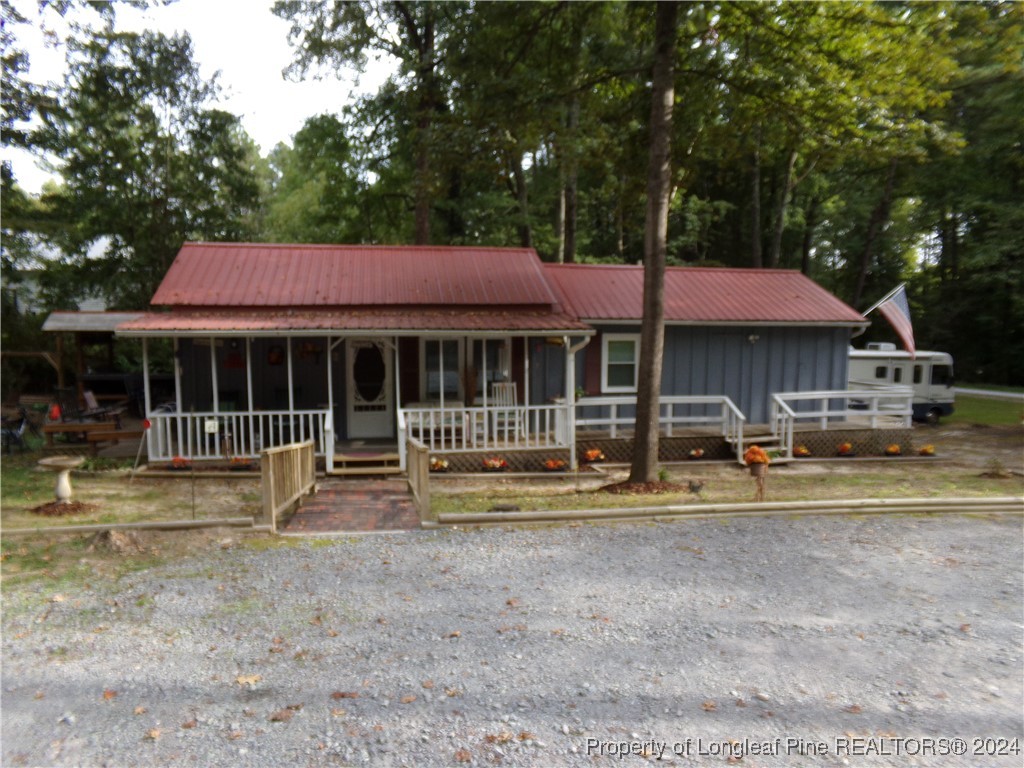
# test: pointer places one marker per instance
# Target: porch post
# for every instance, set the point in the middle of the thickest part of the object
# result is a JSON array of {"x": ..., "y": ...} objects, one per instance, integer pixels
[
  {"x": 329, "y": 421},
  {"x": 570, "y": 401},
  {"x": 248, "y": 391},
  {"x": 526, "y": 368},
  {"x": 146, "y": 396},
  {"x": 291, "y": 391},
  {"x": 177, "y": 396},
  {"x": 213, "y": 375}
]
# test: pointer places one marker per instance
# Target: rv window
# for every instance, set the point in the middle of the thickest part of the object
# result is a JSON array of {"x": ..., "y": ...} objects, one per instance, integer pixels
[
  {"x": 897, "y": 375},
  {"x": 917, "y": 374},
  {"x": 881, "y": 372},
  {"x": 942, "y": 374}
]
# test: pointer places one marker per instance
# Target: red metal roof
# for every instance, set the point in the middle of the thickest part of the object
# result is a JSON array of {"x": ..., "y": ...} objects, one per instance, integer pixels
[
  {"x": 270, "y": 275},
  {"x": 595, "y": 292},
  {"x": 434, "y": 320}
]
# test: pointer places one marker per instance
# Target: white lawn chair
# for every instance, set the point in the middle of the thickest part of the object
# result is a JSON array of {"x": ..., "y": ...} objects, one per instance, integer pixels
[{"x": 507, "y": 417}]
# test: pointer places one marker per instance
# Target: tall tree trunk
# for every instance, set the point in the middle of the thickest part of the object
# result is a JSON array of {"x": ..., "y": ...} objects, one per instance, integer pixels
[
  {"x": 879, "y": 218},
  {"x": 560, "y": 215},
  {"x": 810, "y": 222},
  {"x": 572, "y": 176},
  {"x": 659, "y": 191},
  {"x": 781, "y": 203},
  {"x": 756, "y": 259},
  {"x": 522, "y": 199},
  {"x": 620, "y": 222},
  {"x": 425, "y": 109}
]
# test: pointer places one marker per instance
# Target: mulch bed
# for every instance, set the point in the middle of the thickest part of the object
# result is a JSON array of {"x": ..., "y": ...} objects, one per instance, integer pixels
[
  {"x": 60, "y": 509},
  {"x": 636, "y": 489}
]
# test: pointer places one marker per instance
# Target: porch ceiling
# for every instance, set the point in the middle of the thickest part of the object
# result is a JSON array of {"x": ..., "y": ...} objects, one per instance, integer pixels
[{"x": 391, "y": 321}]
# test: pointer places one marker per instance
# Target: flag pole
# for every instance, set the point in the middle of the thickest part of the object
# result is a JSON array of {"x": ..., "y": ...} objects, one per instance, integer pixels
[{"x": 882, "y": 301}]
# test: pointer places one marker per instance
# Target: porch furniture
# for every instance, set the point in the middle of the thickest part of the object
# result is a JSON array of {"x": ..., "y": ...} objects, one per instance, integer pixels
[
  {"x": 14, "y": 430},
  {"x": 81, "y": 429},
  {"x": 507, "y": 417},
  {"x": 71, "y": 411}
]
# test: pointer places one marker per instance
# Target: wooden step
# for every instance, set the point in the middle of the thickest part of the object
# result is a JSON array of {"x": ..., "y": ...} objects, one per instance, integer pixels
[
  {"x": 366, "y": 464},
  {"x": 366, "y": 470}
]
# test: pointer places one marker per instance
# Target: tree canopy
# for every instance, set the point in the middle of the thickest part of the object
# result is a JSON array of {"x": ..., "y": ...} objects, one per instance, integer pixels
[{"x": 862, "y": 143}]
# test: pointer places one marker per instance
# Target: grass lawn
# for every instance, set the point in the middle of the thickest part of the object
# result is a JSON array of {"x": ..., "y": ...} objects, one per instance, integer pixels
[{"x": 982, "y": 410}]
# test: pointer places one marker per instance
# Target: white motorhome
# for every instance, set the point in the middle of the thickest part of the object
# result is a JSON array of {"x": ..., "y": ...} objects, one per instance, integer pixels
[{"x": 930, "y": 374}]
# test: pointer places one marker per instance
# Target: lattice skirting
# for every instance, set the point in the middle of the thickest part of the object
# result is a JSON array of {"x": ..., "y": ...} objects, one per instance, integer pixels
[
  {"x": 620, "y": 450},
  {"x": 518, "y": 461},
  {"x": 865, "y": 442}
]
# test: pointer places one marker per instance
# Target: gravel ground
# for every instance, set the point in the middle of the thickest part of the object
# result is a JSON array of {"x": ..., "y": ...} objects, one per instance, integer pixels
[{"x": 812, "y": 641}]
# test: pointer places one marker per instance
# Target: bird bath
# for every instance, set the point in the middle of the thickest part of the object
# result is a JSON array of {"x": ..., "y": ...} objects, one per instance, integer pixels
[{"x": 62, "y": 465}]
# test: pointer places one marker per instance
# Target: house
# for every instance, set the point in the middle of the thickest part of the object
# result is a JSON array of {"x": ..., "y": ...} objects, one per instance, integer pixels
[{"x": 466, "y": 349}]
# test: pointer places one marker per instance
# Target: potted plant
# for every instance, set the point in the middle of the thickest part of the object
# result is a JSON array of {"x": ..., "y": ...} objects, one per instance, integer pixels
[
  {"x": 495, "y": 464},
  {"x": 845, "y": 449},
  {"x": 893, "y": 449},
  {"x": 802, "y": 451},
  {"x": 593, "y": 454},
  {"x": 927, "y": 450},
  {"x": 696, "y": 453},
  {"x": 554, "y": 465},
  {"x": 757, "y": 459},
  {"x": 439, "y": 465}
]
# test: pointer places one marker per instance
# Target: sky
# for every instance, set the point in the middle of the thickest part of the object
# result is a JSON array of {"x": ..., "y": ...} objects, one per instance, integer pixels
[{"x": 240, "y": 38}]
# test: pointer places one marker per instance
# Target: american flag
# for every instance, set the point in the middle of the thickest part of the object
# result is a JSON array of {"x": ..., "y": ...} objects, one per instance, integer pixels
[{"x": 896, "y": 310}]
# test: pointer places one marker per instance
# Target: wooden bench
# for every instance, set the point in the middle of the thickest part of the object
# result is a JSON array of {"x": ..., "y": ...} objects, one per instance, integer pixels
[
  {"x": 113, "y": 436},
  {"x": 76, "y": 428}
]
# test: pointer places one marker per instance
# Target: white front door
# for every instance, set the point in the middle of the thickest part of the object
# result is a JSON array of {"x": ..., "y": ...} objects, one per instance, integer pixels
[{"x": 370, "y": 389}]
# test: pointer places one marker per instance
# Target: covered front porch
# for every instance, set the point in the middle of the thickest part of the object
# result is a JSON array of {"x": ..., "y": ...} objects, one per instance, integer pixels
[{"x": 236, "y": 395}]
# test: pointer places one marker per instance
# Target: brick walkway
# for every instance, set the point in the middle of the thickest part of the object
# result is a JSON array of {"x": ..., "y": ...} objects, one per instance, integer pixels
[{"x": 356, "y": 505}]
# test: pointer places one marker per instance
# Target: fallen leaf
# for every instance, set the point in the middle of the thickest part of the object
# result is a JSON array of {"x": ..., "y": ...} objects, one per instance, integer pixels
[
  {"x": 109, "y": 694},
  {"x": 524, "y": 735},
  {"x": 338, "y": 712},
  {"x": 248, "y": 679},
  {"x": 189, "y": 723},
  {"x": 455, "y": 633},
  {"x": 513, "y": 602},
  {"x": 408, "y": 699},
  {"x": 332, "y": 633},
  {"x": 40, "y": 695},
  {"x": 428, "y": 684},
  {"x": 282, "y": 716},
  {"x": 140, "y": 710},
  {"x": 57, "y": 599},
  {"x": 965, "y": 627},
  {"x": 452, "y": 692},
  {"x": 235, "y": 735},
  {"x": 153, "y": 734},
  {"x": 709, "y": 706},
  {"x": 345, "y": 695},
  {"x": 463, "y": 755},
  {"x": 740, "y": 703},
  {"x": 853, "y": 709}
]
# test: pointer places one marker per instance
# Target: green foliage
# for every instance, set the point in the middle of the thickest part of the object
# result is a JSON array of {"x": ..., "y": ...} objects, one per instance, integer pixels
[{"x": 146, "y": 165}]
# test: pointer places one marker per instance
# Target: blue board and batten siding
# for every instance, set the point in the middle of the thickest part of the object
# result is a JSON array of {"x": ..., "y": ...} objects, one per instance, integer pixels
[{"x": 747, "y": 364}]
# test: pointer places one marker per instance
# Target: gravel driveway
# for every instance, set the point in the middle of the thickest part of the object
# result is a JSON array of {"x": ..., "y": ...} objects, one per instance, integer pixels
[{"x": 812, "y": 641}]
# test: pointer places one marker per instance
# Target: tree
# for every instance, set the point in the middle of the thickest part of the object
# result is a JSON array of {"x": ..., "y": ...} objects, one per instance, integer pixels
[
  {"x": 315, "y": 196},
  {"x": 415, "y": 33},
  {"x": 659, "y": 192},
  {"x": 145, "y": 164}
]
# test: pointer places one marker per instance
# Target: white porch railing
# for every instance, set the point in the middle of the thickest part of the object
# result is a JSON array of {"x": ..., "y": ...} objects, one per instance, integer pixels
[
  {"x": 461, "y": 430},
  {"x": 676, "y": 411},
  {"x": 225, "y": 435},
  {"x": 893, "y": 405}
]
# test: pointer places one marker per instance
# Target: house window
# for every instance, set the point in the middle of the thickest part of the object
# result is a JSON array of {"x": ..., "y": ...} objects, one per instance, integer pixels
[
  {"x": 621, "y": 356},
  {"x": 442, "y": 361},
  {"x": 491, "y": 360}
]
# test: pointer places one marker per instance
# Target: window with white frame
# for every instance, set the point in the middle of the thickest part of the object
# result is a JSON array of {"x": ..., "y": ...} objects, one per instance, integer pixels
[
  {"x": 440, "y": 364},
  {"x": 620, "y": 355}
]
